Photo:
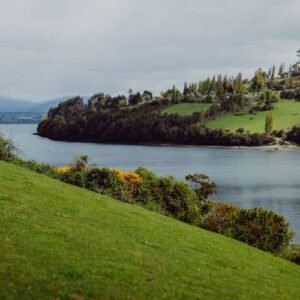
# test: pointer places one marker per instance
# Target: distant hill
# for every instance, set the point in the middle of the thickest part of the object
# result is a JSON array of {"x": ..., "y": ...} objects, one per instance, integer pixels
[
  {"x": 46, "y": 105},
  {"x": 18, "y": 105},
  {"x": 14, "y": 105}
]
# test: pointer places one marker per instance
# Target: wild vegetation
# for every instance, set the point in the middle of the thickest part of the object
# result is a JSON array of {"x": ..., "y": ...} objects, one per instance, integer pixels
[
  {"x": 187, "y": 202},
  {"x": 223, "y": 110}
]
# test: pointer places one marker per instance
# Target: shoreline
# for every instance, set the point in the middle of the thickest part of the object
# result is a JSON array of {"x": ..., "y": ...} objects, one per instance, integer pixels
[{"x": 274, "y": 147}]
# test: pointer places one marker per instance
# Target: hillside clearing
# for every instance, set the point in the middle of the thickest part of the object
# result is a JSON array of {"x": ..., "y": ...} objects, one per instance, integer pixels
[
  {"x": 186, "y": 109},
  {"x": 286, "y": 114}
]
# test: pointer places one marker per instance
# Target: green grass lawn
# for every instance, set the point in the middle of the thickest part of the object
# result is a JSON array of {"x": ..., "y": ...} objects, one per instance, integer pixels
[
  {"x": 62, "y": 242},
  {"x": 186, "y": 109},
  {"x": 286, "y": 114}
]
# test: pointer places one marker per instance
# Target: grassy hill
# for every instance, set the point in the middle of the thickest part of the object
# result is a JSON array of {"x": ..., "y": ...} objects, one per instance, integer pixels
[
  {"x": 186, "y": 109},
  {"x": 62, "y": 242},
  {"x": 286, "y": 114}
]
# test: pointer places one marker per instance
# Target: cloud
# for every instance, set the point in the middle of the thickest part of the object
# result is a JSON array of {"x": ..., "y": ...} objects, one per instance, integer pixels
[{"x": 63, "y": 47}]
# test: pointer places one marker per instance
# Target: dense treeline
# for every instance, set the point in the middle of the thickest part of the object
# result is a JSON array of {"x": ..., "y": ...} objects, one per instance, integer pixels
[
  {"x": 73, "y": 120},
  {"x": 138, "y": 118}
]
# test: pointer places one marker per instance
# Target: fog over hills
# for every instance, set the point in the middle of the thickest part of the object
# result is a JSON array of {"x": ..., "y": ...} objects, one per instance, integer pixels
[{"x": 19, "y": 105}]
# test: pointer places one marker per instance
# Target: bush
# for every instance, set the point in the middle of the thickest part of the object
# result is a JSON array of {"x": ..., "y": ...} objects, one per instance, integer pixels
[
  {"x": 35, "y": 167},
  {"x": 292, "y": 254},
  {"x": 103, "y": 180},
  {"x": 220, "y": 218},
  {"x": 75, "y": 178},
  {"x": 263, "y": 229},
  {"x": 7, "y": 149},
  {"x": 179, "y": 201},
  {"x": 257, "y": 227},
  {"x": 291, "y": 94},
  {"x": 294, "y": 135},
  {"x": 278, "y": 133}
]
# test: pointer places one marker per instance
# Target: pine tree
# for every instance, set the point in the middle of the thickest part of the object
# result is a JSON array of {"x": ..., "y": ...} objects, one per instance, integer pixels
[
  {"x": 273, "y": 73},
  {"x": 174, "y": 95},
  {"x": 225, "y": 83},
  {"x": 206, "y": 85},
  {"x": 281, "y": 70},
  {"x": 220, "y": 87},
  {"x": 185, "y": 89},
  {"x": 213, "y": 85},
  {"x": 269, "y": 123},
  {"x": 200, "y": 87}
]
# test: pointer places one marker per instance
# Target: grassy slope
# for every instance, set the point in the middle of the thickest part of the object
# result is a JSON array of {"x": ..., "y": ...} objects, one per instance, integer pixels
[
  {"x": 59, "y": 240},
  {"x": 186, "y": 109},
  {"x": 286, "y": 114}
]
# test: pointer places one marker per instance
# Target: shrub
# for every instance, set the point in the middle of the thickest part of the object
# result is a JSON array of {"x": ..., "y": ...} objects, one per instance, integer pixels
[
  {"x": 35, "y": 167},
  {"x": 131, "y": 179},
  {"x": 257, "y": 227},
  {"x": 294, "y": 135},
  {"x": 292, "y": 254},
  {"x": 7, "y": 149},
  {"x": 220, "y": 218},
  {"x": 263, "y": 229},
  {"x": 62, "y": 170},
  {"x": 103, "y": 180},
  {"x": 75, "y": 178}
]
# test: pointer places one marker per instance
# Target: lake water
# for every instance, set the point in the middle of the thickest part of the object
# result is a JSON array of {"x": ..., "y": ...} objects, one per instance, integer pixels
[{"x": 246, "y": 177}]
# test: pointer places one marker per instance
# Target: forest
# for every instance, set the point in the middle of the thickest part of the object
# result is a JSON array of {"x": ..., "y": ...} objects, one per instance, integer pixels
[{"x": 142, "y": 118}]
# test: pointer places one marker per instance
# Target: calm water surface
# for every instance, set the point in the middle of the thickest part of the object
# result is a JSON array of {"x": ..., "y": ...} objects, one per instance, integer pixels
[{"x": 246, "y": 177}]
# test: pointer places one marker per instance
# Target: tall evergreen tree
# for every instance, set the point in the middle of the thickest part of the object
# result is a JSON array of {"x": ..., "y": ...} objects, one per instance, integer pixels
[
  {"x": 273, "y": 75},
  {"x": 281, "y": 70},
  {"x": 220, "y": 86},
  {"x": 213, "y": 85},
  {"x": 269, "y": 123},
  {"x": 185, "y": 89}
]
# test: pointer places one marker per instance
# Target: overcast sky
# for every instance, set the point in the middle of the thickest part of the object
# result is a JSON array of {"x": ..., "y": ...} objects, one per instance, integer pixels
[{"x": 51, "y": 48}]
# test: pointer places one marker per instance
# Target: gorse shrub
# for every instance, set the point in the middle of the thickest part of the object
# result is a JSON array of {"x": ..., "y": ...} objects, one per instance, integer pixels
[{"x": 131, "y": 179}]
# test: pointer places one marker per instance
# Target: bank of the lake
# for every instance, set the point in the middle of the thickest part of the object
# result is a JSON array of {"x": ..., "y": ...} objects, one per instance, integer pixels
[{"x": 246, "y": 177}]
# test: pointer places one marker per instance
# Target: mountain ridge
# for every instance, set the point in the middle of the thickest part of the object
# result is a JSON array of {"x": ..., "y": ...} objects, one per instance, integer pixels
[{"x": 8, "y": 104}]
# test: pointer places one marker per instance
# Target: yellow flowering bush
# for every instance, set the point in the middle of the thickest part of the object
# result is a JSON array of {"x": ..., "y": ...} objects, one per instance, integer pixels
[
  {"x": 131, "y": 179},
  {"x": 62, "y": 170}
]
